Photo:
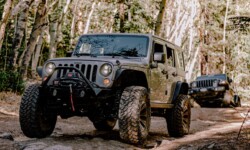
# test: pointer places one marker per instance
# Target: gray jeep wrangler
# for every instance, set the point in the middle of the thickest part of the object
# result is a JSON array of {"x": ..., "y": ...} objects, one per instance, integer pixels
[
  {"x": 214, "y": 91},
  {"x": 110, "y": 77}
]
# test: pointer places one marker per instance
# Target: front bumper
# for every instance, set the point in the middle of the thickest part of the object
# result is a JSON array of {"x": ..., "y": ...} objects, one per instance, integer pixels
[
  {"x": 81, "y": 80},
  {"x": 210, "y": 93},
  {"x": 207, "y": 94},
  {"x": 72, "y": 95},
  {"x": 205, "y": 90}
]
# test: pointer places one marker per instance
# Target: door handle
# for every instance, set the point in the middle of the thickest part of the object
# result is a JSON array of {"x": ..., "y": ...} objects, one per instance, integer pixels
[
  {"x": 174, "y": 74},
  {"x": 164, "y": 71}
]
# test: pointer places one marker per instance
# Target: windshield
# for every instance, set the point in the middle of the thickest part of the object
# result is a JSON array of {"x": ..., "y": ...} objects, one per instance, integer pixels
[
  {"x": 112, "y": 45},
  {"x": 216, "y": 76}
]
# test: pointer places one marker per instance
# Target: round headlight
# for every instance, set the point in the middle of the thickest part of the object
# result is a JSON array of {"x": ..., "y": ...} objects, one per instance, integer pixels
[
  {"x": 49, "y": 68},
  {"x": 215, "y": 83},
  {"x": 222, "y": 82},
  {"x": 106, "y": 70},
  {"x": 194, "y": 85}
]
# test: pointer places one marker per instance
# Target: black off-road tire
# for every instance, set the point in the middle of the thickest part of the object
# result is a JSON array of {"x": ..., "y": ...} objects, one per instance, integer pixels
[
  {"x": 34, "y": 123},
  {"x": 134, "y": 115},
  {"x": 105, "y": 125},
  {"x": 178, "y": 119}
]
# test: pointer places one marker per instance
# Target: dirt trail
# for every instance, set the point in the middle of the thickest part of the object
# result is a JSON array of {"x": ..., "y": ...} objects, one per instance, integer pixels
[{"x": 211, "y": 128}]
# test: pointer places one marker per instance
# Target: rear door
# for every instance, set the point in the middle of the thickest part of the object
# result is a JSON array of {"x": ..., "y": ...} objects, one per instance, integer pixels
[{"x": 171, "y": 70}]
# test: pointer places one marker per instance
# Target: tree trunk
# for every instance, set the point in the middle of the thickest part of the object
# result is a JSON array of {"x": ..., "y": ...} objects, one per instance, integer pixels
[
  {"x": 21, "y": 6},
  {"x": 40, "y": 22},
  {"x": 203, "y": 55},
  {"x": 53, "y": 22},
  {"x": 177, "y": 27},
  {"x": 73, "y": 24},
  {"x": 56, "y": 31},
  {"x": 192, "y": 64},
  {"x": 191, "y": 31},
  {"x": 192, "y": 60},
  {"x": 18, "y": 36},
  {"x": 28, "y": 29},
  {"x": 122, "y": 15},
  {"x": 53, "y": 40},
  {"x": 160, "y": 17},
  {"x": 224, "y": 37},
  {"x": 4, "y": 21},
  {"x": 89, "y": 18},
  {"x": 36, "y": 55}
]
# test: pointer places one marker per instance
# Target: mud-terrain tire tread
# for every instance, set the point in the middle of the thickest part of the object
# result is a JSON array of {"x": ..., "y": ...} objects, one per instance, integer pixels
[
  {"x": 133, "y": 100},
  {"x": 30, "y": 115},
  {"x": 175, "y": 119}
]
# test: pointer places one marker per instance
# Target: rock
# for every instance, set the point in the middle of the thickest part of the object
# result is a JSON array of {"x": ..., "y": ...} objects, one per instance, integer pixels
[
  {"x": 37, "y": 145},
  {"x": 7, "y": 136},
  {"x": 211, "y": 146},
  {"x": 150, "y": 145},
  {"x": 58, "y": 147}
]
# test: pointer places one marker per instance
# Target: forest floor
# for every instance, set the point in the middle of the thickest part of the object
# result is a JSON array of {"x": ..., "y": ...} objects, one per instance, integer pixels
[{"x": 211, "y": 128}]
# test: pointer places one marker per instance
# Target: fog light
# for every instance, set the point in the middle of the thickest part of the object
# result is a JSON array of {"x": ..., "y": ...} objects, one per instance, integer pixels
[
  {"x": 82, "y": 94},
  {"x": 54, "y": 92},
  {"x": 106, "y": 82},
  {"x": 45, "y": 78},
  {"x": 221, "y": 88},
  {"x": 203, "y": 90}
]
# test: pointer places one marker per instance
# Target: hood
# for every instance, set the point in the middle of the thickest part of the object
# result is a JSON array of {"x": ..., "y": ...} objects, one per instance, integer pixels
[{"x": 115, "y": 61}]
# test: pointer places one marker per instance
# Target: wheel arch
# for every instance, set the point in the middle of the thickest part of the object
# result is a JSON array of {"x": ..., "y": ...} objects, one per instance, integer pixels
[
  {"x": 180, "y": 88},
  {"x": 129, "y": 77}
]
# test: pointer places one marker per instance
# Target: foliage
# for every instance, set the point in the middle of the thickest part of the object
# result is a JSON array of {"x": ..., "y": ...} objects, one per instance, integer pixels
[
  {"x": 138, "y": 19},
  {"x": 11, "y": 81}
]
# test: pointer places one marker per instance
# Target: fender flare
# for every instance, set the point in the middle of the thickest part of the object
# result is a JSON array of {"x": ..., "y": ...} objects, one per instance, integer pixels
[
  {"x": 180, "y": 88},
  {"x": 118, "y": 73},
  {"x": 39, "y": 71},
  {"x": 121, "y": 73}
]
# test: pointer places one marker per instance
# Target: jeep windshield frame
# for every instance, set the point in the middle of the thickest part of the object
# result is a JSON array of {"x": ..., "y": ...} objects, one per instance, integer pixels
[{"x": 115, "y": 45}]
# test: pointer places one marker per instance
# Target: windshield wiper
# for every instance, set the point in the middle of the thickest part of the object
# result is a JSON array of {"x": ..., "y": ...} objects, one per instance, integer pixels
[
  {"x": 117, "y": 54},
  {"x": 85, "y": 54}
]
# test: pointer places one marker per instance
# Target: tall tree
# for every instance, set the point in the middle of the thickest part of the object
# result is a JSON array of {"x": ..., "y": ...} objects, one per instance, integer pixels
[
  {"x": 4, "y": 21},
  {"x": 36, "y": 55},
  {"x": 22, "y": 7},
  {"x": 224, "y": 36},
  {"x": 73, "y": 23},
  {"x": 40, "y": 22},
  {"x": 89, "y": 18},
  {"x": 122, "y": 15},
  {"x": 160, "y": 17},
  {"x": 55, "y": 29}
]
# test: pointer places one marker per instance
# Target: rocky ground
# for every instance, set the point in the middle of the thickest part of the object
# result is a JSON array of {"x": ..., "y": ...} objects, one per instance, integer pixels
[{"x": 211, "y": 128}]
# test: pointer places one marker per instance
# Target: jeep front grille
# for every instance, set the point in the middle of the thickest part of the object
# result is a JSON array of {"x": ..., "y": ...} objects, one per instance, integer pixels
[
  {"x": 204, "y": 83},
  {"x": 88, "y": 70}
]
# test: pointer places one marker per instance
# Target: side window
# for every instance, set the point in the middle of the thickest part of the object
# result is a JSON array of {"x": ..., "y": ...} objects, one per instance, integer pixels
[
  {"x": 158, "y": 48},
  {"x": 181, "y": 60},
  {"x": 170, "y": 56},
  {"x": 159, "y": 51}
]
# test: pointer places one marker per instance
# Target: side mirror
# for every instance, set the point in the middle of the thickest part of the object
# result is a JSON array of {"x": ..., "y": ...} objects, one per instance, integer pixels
[
  {"x": 39, "y": 70},
  {"x": 159, "y": 57},
  {"x": 69, "y": 54},
  {"x": 154, "y": 64}
]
